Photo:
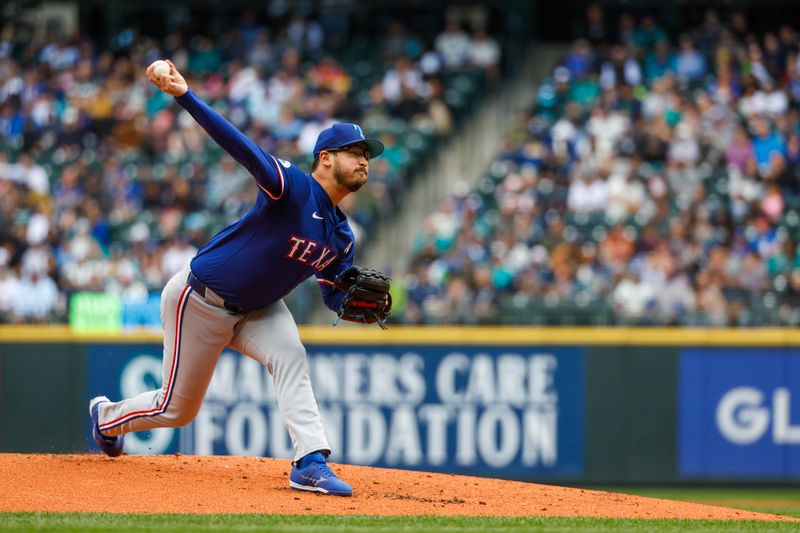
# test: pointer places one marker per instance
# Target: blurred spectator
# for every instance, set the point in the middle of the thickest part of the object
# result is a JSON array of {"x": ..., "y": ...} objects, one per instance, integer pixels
[
  {"x": 430, "y": 62},
  {"x": 632, "y": 298},
  {"x": 421, "y": 293},
  {"x": 26, "y": 172},
  {"x": 328, "y": 74},
  {"x": 659, "y": 62},
  {"x": 595, "y": 29},
  {"x": 627, "y": 30},
  {"x": 725, "y": 87},
  {"x": 711, "y": 303},
  {"x": 579, "y": 60},
  {"x": 588, "y": 193},
  {"x": 204, "y": 57},
  {"x": 438, "y": 113},
  {"x": 457, "y": 305},
  {"x": 398, "y": 42},
  {"x": 36, "y": 298},
  {"x": 740, "y": 154},
  {"x": 690, "y": 64},
  {"x": 616, "y": 249},
  {"x": 620, "y": 69},
  {"x": 176, "y": 256},
  {"x": 648, "y": 33},
  {"x": 402, "y": 79},
  {"x": 484, "y": 53},
  {"x": 9, "y": 293},
  {"x": 789, "y": 309},
  {"x": 766, "y": 141},
  {"x": 676, "y": 299},
  {"x": 453, "y": 45},
  {"x": 757, "y": 67},
  {"x": 626, "y": 195},
  {"x": 710, "y": 33},
  {"x": 607, "y": 129}
]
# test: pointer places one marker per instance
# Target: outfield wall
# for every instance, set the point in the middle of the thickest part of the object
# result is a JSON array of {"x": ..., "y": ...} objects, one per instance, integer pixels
[{"x": 569, "y": 405}]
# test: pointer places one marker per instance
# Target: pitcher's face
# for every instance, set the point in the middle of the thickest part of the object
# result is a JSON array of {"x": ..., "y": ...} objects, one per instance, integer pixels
[{"x": 351, "y": 166}]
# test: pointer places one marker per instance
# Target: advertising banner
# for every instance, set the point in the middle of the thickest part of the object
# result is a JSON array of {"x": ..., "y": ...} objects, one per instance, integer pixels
[
  {"x": 739, "y": 413},
  {"x": 509, "y": 411}
]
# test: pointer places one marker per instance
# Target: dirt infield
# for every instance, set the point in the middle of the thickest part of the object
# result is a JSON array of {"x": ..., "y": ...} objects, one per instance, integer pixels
[{"x": 189, "y": 484}]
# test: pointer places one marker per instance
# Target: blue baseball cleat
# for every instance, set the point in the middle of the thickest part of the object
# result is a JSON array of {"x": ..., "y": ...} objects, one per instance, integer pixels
[
  {"x": 111, "y": 446},
  {"x": 312, "y": 473}
]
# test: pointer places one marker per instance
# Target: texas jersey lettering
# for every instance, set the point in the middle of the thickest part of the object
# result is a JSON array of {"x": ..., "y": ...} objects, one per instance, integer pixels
[{"x": 308, "y": 248}]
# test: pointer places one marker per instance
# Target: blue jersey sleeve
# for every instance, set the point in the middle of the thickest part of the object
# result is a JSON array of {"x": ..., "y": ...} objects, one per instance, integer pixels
[
  {"x": 330, "y": 294},
  {"x": 262, "y": 166}
]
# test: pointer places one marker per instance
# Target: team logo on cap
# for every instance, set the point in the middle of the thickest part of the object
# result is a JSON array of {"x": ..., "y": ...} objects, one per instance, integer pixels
[{"x": 358, "y": 129}]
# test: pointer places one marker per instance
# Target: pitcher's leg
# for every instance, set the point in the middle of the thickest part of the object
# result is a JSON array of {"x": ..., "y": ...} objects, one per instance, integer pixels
[
  {"x": 194, "y": 335},
  {"x": 270, "y": 336}
]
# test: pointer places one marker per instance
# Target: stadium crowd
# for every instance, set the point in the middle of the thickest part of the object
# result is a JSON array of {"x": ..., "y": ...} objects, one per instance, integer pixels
[
  {"x": 654, "y": 181},
  {"x": 106, "y": 185}
]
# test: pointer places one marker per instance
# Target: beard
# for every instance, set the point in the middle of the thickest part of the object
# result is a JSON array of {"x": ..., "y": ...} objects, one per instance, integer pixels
[{"x": 352, "y": 181}]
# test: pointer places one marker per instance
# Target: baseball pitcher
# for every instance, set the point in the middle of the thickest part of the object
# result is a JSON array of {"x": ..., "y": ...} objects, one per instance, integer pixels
[{"x": 231, "y": 292}]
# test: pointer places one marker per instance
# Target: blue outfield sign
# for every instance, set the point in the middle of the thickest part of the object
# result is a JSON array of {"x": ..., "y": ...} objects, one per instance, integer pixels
[
  {"x": 506, "y": 411},
  {"x": 739, "y": 414}
]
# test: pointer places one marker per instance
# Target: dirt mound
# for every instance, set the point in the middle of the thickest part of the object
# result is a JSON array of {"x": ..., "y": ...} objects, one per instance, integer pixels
[{"x": 190, "y": 484}]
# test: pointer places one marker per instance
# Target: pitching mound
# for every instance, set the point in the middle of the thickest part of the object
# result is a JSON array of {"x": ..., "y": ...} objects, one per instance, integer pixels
[{"x": 189, "y": 484}]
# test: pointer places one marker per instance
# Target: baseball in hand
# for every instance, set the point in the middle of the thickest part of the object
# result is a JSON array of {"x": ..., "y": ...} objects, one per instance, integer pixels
[{"x": 160, "y": 68}]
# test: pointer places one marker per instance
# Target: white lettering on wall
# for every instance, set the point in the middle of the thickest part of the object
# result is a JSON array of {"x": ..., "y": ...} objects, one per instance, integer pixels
[
  {"x": 466, "y": 453},
  {"x": 246, "y": 430},
  {"x": 783, "y": 432},
  {"x": 511, "y": 372},
  {"x": 741, "y": 417},
  {"x": 403, "y": 444},
  {"x": 540, "y": 436},
  {"x": 377, "y": 378},
  {"x": 355, "y": 378},
  {"x": 541, "y": 376},
  {"x": 366, "y": 430},
  {"x": 495, "y": 410},
  {"x": 411, "y": 378},
  {"x": 446, "y": 375},
  {"x": 498, "y": 436},
  {"x": 482, "y": 381},
  {"x": 223, "y": 382},
  {"x": 436, "y": 417},
  {"x": 208, "y": 427},
  {"x": 250, "y": 381}
]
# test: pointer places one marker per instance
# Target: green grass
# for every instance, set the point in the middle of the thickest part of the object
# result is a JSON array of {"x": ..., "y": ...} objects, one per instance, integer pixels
[
  {"x": 778, "y": 500},
  {"x": 771, "y": 500},
  {"x": 357, "y": 524}
]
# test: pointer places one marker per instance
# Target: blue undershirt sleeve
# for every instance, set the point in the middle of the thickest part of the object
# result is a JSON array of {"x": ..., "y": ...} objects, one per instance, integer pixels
[
  {"x": 261, "y": 165},
  {"x": 331, "y": 296}
]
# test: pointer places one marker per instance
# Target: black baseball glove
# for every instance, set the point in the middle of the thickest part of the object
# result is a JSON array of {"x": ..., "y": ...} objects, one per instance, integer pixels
[{"x": 367, "y": 300}]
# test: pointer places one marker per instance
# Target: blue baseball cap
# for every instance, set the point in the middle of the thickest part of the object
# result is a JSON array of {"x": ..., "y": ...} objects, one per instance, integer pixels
[{"x": 344, "y": 134}]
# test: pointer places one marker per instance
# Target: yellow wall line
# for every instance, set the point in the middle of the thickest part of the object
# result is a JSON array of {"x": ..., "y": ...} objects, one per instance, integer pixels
[{"x": 454, "y": 335}]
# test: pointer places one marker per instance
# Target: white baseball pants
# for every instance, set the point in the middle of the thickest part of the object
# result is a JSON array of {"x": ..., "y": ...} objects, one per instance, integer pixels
[{"x": 196, "y": 329}]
